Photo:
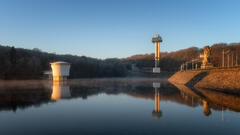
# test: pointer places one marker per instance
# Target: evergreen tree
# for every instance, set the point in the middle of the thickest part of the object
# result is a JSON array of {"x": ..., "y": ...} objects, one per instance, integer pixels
[{"x": 13, "y": 56}]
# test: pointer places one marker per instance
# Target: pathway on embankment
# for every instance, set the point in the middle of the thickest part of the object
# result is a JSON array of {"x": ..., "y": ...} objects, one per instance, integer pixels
[{"x": 226, "y": 80}]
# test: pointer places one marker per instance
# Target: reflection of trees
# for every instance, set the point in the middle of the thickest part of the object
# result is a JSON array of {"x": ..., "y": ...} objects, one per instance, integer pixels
[
  {"x": 20, "y": 98},
  {"x": 24, "y": 96}
]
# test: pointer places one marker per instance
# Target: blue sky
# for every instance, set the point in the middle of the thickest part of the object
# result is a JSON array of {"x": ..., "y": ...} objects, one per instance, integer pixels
[{"x": 117, "y": 28}]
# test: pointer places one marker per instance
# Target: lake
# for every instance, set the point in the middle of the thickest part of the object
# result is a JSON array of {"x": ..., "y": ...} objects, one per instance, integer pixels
[{"x": 117, "y": 106}]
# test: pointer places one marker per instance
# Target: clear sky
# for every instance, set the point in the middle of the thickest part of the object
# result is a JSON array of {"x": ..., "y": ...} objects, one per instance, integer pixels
[{"x": 117, "y": 28}]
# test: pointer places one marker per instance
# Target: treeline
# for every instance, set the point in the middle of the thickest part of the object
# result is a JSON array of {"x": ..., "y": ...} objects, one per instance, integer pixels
[
  {"x": 171, "y": 61},
  {"x": 18, "y": 63}
]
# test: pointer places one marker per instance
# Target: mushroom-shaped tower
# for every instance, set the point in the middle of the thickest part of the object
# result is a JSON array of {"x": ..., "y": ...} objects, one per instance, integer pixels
[
  {"x": 156, "y": 40},
  {"x": 60, "y": 70}
]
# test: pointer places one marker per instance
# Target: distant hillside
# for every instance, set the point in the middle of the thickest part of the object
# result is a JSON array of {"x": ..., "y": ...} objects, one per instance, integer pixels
[
  {"x": 18, "y": 63},
  {"x": 171, "y": 61}
]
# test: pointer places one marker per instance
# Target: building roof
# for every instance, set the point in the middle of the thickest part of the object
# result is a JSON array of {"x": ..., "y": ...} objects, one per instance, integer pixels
[{"x": 60, "y": 62}]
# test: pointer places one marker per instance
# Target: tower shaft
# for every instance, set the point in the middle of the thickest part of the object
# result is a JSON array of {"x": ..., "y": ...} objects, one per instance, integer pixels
[
  {"x": 156, "y": 40},
  {"x": 157, "y": 53}
]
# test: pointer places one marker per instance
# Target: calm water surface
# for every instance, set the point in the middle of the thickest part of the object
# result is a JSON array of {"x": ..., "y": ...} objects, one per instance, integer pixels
[{"x": 115, "y": 106}]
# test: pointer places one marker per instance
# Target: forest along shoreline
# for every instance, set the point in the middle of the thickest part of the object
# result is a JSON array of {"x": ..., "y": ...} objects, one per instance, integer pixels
[{"x": 21, "y": 64}]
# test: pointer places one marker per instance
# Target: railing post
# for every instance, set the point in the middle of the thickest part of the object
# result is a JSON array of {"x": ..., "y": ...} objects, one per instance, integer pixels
[
  {"x": 236, "y": 60},
  {"x": 223, "y": 58}
]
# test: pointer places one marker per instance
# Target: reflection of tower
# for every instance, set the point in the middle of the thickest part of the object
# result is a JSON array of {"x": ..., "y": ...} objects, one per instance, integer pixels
[
  {"x": 206, "y": 108},
  {"x": 156, "y": 113},
  {"x": 156, "y": 40},
  {"x": 60, "y": 90}
]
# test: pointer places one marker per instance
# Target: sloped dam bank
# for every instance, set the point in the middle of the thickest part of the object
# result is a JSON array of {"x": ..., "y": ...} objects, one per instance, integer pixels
[{"x": 225, "y": 80}]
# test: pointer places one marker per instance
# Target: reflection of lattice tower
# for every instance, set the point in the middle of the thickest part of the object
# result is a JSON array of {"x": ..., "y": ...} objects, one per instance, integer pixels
[
  {"x": 156, "y": 40},
  {"x": 156, "y": 113}
]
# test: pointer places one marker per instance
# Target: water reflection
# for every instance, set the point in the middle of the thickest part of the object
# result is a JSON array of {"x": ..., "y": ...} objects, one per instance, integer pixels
[
  {"x": 35, "y": 94},
  {"x": 130, "y": 101},
  {"x": 156, "y": 113},
  {"x": 60, "y": 90},
  {"x": 14, "y": 97},
  {"x": 210, "y": 99},
  {"x": 206, "y": 108}
]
